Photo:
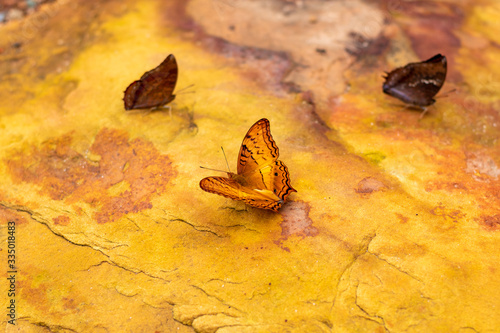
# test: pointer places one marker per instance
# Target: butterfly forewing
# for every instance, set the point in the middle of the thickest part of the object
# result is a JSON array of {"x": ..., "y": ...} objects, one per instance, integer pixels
[
  {"x": 258, "y": 148},
  {"x": 154, "y": 88},
  {"x": 417, "y": 83}
]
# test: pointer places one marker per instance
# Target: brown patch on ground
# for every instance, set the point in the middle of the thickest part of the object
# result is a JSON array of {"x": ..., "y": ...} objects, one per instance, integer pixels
[
  {"x": 368, "y": 185},
  {"x": 70, "y": 304},
  {"x": 313, "y": 39},
  {"x": 55, "y": 166},
  {"x": 449, "y": 215},
  {"x": 430, "y": 26},
  {"x": 9, "y": 215},
  {"x": 481, "y": 166},
  {"x": 266, "y": 67},
  {"x": 472, "y": 170},
  {"x": 35, "y": 294},
  {"x": 124, "y": 180},
  {"x": 491, "y": 223},
  {"x": 402, "y": 219},
  {"x": 296, "y": 221},
  {"x": 367, "y": 49},
  {"x": 61, "y": 220}
]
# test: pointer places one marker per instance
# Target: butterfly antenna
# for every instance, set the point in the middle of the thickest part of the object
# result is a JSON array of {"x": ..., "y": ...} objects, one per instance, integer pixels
[
  {"x": 212, "y": 169},
  {"x": 446, "y": 93},
  {"x": 217, "y": 169},
  {"x": 185, "y": 88},
  {"x": 225, "y": 158}
]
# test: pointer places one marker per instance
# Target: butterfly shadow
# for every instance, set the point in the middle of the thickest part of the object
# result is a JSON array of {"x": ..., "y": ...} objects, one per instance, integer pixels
[{"x": 423, "y": 110}]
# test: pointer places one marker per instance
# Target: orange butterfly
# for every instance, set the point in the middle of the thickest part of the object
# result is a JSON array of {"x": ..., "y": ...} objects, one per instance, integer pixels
[{"x": 262, "y": 181}]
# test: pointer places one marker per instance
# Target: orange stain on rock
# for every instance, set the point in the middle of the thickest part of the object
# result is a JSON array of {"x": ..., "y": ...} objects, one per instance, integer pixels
[
  {"x": 35, "y": 295},
  {"x": 65, "y": 174},
  {"x": 402, "y": 219},
  {"x": 471, "y": 171},
  {"x": 61, "y": 220},
  {"x": 70, "y": 304},
  {"x": 368, "y": 185},
  {"x": 449, "y": 215},
  {"x": 7, "y": 215},
  {"x": 430, "y": 27},
  {"x": 491, "y": 223},
  {"x": 296, "y": 221}
]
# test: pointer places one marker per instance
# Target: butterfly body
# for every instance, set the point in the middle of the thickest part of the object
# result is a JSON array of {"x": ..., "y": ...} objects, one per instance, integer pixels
[
  {"x": 261, "y": 180},
  {"x": 417, "y": 83},
  {"x": 154, "y": 88}
]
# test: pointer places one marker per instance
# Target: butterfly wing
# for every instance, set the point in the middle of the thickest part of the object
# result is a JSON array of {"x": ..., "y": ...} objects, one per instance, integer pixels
[
  {"x": 281, "y": 181},
  {"x": 258, "y": 148},
  {"x": 230, "y": 188},
  {"x": 155, "y": 87},
  {"x": 262, "y": 181},
  {"x": 417, "y": 83}
]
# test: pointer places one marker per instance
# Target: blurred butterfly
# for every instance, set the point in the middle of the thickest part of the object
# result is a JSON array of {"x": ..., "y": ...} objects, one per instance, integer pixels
[
  {"x": 417, "y": 83},
  {"x": 261, "y": 180},
  {"x": 154, "y": 88}
]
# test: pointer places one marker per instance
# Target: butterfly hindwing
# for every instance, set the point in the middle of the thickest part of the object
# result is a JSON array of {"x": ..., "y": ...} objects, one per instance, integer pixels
[
  {"x": 273, "y": 177},
  {"x": 282, "y": 186}
]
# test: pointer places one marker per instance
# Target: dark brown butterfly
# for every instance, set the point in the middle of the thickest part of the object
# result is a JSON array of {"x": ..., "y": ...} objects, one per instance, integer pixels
[
  {"x": 154, "y": 88},
  {"x": 261, "y": 180},
  {"x": 418, "y": 82}
]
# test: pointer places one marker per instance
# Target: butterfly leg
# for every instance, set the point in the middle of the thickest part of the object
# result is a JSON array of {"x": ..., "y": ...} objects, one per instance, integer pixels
[
  {"x": 423, "y": 113},
  {"x": 169, "y": 110},
  {"x": 404, "y": 108},
  {"x": 145, "y": 112}
]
